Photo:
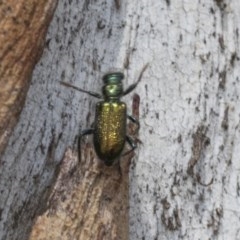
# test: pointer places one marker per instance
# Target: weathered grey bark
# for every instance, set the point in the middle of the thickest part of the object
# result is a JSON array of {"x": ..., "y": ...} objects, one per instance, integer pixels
[
  {"x": 23, "y": 26},
  {"x": 184, "y": 182}
]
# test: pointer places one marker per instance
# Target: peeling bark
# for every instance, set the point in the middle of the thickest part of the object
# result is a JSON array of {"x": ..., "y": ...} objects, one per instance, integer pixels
[
  {"x": 89, "y": 201},
  {"x": 23, "y": 27}
]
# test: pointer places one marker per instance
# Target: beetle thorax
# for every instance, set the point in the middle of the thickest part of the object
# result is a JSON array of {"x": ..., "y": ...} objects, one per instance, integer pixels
[{"x": 113, "y": 89}]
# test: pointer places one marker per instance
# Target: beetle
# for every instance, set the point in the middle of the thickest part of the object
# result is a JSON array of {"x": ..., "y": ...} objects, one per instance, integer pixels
[{"x": 109, "y": 130}]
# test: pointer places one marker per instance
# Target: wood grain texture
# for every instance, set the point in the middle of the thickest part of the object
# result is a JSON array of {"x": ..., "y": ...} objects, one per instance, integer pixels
[
  {"x": 184, "y": 181},
  {"x": 89, "y": 201},
  {"x": 23, "y": 25}
]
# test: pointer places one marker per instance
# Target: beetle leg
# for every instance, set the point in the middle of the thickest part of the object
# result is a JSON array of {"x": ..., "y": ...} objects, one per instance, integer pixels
[
  {"x": 132, "y": 145},
  {"x": 83, "y": 133},
  {"x": 93, "y": 94},
  {"x": 134, "y": 85},
  {"x": 134, "y": 120}
]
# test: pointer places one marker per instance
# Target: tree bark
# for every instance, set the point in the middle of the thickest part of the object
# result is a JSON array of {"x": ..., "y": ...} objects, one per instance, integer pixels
[
  {"x": 23, "y": 27},
  {"x": 184, "y": 181}
]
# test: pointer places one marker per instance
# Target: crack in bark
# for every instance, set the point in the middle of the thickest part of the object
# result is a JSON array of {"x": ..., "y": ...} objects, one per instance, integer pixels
[{"x": 200, "y": 142}]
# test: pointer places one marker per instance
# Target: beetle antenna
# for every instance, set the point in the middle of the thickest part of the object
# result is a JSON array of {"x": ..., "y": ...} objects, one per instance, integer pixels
[
  {"x": 93, "y": 94},
  {"x": 131, "y": 87},
  {"x": 142, "y": 72}
]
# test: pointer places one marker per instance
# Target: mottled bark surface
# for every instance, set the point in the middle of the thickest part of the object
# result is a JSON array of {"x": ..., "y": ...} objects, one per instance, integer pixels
[
  {"x": 89, "y": 201},
  {"x": 184, "y": 181},
  {"x": 23, "y": 26}
]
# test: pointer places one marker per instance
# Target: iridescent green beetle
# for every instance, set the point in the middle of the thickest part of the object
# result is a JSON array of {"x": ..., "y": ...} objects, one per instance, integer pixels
[{"x": 109, "y": 130}]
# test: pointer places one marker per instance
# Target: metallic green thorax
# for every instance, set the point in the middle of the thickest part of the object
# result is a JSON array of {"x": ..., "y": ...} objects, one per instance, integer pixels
[{"x": 112, "y": 89}]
